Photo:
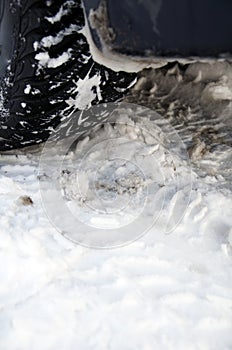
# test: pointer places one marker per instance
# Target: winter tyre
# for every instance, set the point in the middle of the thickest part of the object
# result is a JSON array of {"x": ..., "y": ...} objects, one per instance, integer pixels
[{"x": 49, "y": 66}]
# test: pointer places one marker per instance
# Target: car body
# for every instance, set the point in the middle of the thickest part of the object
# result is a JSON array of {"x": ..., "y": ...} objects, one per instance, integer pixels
[{"x": 161, "y": 30}]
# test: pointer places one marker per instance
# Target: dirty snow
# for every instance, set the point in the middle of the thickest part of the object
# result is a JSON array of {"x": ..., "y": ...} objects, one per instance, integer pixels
[{"x": 163, "y": 291}]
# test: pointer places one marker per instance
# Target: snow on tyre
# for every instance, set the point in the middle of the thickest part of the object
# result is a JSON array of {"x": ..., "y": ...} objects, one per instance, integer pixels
[{"x": 47, "y": 71}]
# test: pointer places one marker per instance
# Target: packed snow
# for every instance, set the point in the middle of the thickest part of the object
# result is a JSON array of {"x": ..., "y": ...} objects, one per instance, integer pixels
[{"x": 156, "y": 291}]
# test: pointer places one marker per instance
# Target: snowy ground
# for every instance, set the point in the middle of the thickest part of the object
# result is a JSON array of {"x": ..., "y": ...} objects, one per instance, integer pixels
[
  {"x": 162, "y": 279},
  {"x": 161, "y": 291}
]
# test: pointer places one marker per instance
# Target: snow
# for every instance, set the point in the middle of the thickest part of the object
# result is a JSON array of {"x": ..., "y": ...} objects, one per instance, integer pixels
[
  {"x": 46, "y": 61},
  {"x": 118, "y": 243},
  {"x": 221, "y": 92},
  {"x": 27, "y": 89},
  {"x": 64, "y": 10},
  {"x": 50, "y": 40},
  {"x": 85, "y": 94},
  {"x": 160, "y": 291},
  {"x": 117, "y": 62}
]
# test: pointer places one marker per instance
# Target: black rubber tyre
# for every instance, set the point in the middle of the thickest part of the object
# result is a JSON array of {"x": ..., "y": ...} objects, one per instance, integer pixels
[{"x": 50, "y": 59}]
